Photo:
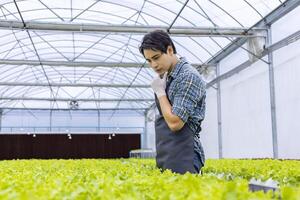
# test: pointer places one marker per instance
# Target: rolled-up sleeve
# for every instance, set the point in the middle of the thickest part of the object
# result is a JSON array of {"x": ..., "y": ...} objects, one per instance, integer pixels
[{"x": 188, "y": 94}]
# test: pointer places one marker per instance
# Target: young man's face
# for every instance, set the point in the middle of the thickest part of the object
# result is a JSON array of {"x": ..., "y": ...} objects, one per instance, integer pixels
[{"x": 160, "y": 62}]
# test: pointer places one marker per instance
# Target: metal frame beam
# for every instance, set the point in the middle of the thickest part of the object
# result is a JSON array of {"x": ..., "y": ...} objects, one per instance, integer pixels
[
  {"x": 68, "y": 63},
  {"x": 73, "y": 85},
  {"x": 69, "y": 109},
  {"x": 77, "y": 64},
  {"x": 75, "y": 99},
  {"x": 284, "y": 42},
  {"x": 272, "y": 17},
  {"x": 175, "y": 30}
]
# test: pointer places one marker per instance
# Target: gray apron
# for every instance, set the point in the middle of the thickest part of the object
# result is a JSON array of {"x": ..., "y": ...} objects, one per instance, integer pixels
[{"x": 174, "y": 150}]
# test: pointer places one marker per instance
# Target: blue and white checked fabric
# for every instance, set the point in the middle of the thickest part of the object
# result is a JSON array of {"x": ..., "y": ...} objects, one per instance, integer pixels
[{"x": 186, "y": 92}]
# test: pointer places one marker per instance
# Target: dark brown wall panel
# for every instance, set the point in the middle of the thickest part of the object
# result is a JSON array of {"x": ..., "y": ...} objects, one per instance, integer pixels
[{"x": 59, "y": 146}]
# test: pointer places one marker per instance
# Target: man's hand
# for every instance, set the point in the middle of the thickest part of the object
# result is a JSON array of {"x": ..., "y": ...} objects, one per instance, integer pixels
[{"x": 159, "y": 85}]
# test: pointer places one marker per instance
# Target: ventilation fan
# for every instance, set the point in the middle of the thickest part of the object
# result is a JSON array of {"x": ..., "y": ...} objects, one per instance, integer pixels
[
  {"x": 256, "y": 46},
  {"x": 73, "y": 104},
  {"x": 208, "y": 72}
]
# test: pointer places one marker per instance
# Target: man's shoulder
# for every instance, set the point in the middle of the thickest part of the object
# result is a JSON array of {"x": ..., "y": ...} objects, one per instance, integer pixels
[{"x": 189, "y": 73}]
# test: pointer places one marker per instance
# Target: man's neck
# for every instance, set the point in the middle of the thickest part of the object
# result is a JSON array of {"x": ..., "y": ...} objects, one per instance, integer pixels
[{"x": 174, "y": 63}]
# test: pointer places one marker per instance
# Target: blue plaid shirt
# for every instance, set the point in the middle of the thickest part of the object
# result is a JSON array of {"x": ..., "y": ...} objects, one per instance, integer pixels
[{"x": 186, "y": 93}]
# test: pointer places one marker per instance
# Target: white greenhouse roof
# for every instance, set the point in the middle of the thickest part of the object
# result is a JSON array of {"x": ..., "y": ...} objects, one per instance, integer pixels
[{"x": 57, "y": 52}]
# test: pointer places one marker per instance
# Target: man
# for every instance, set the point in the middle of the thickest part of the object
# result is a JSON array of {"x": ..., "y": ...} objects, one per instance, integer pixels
[{"x": 180, "y": 98}]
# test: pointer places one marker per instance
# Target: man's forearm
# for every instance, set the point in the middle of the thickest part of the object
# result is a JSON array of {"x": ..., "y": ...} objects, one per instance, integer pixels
[{"x": 173, "y": 121}]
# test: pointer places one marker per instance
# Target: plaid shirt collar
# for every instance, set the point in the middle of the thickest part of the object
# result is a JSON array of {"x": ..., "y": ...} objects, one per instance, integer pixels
[{"x": 177, "y": 68}]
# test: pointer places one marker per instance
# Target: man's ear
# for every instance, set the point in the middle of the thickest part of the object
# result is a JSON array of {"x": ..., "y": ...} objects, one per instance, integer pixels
[{"x": 170, "y": 50}]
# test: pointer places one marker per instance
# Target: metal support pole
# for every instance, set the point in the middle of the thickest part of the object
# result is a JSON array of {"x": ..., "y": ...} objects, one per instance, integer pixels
[
  {"x": 98, "y": 127},
  {"x": 50, "y": 123},
  {"x": 219, "y": 113},
  {"x": 1, "y": 112},
  {"x": 272, "y": 95},
  {"x": 145, "y": 137}
]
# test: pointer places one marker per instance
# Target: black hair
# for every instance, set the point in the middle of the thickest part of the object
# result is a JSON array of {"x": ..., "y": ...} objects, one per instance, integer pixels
[{"x": 157, "y": 40}]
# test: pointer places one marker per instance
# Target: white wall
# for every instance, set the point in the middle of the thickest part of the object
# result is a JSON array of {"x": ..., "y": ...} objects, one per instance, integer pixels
[
  {"x": 287, "y": 80},
  {"x": 245, "y": 99},
  {"x": 286, "y": 25},
  {"x": 287, "y": 86},
  {"x": 209, "y": 133},
  {"x": 246, "y": 118}
]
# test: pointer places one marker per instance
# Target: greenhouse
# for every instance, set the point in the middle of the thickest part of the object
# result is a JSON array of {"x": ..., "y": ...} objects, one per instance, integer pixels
[{"x": 81, "y": 99}]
